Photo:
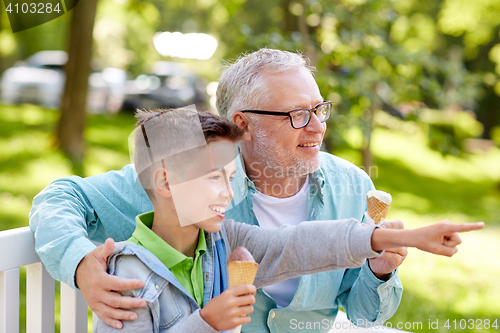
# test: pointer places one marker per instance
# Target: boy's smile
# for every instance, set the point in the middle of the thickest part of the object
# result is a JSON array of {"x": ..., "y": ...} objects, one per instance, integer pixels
[{"x": 218, "y": 210}]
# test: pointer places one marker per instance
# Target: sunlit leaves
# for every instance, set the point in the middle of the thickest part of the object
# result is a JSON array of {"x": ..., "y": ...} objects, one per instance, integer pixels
[
  {"x": 460, "y": 16},
  {"x": 123, "y": 35},
  {"x": 494, "y": 55},
  {"x": 475, "y": 20}
]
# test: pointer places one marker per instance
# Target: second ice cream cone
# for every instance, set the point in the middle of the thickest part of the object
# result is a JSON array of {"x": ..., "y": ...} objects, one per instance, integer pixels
[{"x": 378, "y": 204}]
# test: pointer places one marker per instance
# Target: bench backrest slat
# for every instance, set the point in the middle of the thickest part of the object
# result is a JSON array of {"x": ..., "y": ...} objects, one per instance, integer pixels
[
  {"x": 40, "y": 293},
  {"x": 74, "y": 311},
  {"x": 18, "y": 249},
  {"x": 9, "y": 301}
]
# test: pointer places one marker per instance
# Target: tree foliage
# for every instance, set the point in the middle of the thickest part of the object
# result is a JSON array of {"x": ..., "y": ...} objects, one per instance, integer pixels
[
  {"x": 400, "y": 56},
  {"x": 71, "y": 125}
]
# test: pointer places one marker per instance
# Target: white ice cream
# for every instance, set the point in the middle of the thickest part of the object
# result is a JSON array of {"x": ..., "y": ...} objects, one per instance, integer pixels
[{"x": 381, "y": 195}]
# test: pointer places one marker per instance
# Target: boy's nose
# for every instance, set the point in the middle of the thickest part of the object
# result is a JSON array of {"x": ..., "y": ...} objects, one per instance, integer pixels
[
  {"x": 227, "y": 191},
  {"x": 230, "y": 191}
]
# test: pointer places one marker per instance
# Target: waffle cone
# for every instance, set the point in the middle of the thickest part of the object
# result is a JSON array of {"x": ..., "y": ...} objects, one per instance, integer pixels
[
  {"x": 241, "y": 272},
  {"x": 377, "y": 209}
]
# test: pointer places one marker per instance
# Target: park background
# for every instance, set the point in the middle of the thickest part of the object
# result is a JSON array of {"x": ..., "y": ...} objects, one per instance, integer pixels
[{"x": 416, "y": 88}]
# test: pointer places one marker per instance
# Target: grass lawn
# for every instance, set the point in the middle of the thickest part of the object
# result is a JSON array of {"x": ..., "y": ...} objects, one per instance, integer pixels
[
  {"x": 425, "y": 186},
  {"x": 29, "y": 161},
  {"x": 428, "y": 188}
]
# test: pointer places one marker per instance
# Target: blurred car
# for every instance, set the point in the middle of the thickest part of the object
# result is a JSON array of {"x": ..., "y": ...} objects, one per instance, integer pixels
[
  {"x": 40, "y": 80},
  {"x": 169, "y": 85}
]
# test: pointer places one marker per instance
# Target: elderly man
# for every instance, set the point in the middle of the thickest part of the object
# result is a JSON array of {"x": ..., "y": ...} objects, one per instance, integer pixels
[{"x": 273, "y": 97}]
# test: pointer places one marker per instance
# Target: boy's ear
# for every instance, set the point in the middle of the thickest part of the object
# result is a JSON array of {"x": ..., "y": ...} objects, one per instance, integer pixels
[
  {"x": 161, "y": 183},
  {"x": 243, "y": 122}
]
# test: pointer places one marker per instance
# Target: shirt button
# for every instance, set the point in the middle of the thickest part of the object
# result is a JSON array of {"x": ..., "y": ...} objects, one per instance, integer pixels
[
  {"x": 273, "y": 314},
  {"x": 206, "y": 276},
  {"x": 157, "y": 287}
]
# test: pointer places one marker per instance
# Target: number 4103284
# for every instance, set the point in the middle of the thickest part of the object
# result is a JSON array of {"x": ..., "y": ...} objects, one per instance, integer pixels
[
  {"x": 471, "y": 324},
  {"x": 33, "y": 8}
]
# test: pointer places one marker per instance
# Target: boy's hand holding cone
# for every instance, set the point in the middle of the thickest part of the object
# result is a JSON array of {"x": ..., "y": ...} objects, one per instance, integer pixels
[{"x": 229, "y": 310}]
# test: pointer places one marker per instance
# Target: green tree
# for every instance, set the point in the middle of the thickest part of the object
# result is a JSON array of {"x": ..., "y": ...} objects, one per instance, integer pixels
[
  {"x": 366, "y": 66},
  {"x": 474, "y": 28},
  {"x": 370, "y": 55},
  {"x": 74, "y": 100},
  {"x": 123, "y": 35}
]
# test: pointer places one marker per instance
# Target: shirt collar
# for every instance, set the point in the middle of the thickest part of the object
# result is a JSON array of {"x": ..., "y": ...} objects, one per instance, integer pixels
[
  {"x": 317, "y": 178},
  {"x": 156, "y": 245}
]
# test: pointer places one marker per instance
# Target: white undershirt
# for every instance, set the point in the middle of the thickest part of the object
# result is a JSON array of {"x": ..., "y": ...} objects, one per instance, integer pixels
[{"x": 272, "y": 212}]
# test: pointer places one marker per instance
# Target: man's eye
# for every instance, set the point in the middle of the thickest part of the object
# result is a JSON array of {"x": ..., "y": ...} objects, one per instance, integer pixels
[
  {"x": 231, "y": 179},
  {"x": 215, "y": 177}
]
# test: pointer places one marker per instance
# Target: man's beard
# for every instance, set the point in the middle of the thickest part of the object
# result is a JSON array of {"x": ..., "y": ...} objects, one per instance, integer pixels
[{"x": 281, "y": 164}]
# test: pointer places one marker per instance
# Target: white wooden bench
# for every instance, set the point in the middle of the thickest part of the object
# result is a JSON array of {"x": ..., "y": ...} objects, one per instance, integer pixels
[{"x": 17, "y": 249}]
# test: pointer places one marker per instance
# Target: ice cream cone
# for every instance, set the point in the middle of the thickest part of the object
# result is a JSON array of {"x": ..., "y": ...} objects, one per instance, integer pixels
[
  {"x": 241, "y": 272},
  {"x": 378, "y": 203}
]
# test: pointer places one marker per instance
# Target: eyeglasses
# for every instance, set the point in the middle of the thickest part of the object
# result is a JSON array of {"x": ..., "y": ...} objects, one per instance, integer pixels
[{"x": 300, "y": 117}]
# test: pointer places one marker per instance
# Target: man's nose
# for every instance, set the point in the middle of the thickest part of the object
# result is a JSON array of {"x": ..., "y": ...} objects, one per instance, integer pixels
[{"x": 315, "y": 125}]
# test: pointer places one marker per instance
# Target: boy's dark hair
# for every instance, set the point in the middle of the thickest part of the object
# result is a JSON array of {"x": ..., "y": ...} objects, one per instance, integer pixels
[{"x": 163, "y": 134}]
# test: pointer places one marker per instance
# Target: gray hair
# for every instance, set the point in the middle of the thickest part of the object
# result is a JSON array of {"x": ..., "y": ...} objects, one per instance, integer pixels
[{"x": 241, "y": 85}]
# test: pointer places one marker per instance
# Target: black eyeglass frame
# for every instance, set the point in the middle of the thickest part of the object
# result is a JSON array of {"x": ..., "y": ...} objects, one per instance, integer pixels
[{"x": 288, "y": 113}]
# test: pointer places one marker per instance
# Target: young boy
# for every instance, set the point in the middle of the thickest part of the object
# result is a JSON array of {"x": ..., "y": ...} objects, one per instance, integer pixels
[{"x": 185, "y": 161}]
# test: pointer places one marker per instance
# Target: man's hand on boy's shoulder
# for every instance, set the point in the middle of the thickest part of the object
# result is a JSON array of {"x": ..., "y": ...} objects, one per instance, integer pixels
[
  {"x": 101, "y": 290},
  {"x": 383, "y": 266}
]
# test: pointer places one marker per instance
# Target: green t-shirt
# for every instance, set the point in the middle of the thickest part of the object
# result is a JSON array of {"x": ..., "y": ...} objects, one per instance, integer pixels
[{"x": 188, "y": 272}]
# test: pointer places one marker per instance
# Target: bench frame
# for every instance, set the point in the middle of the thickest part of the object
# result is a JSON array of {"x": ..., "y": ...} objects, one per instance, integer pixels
[{"x": 17, "y": 249}]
